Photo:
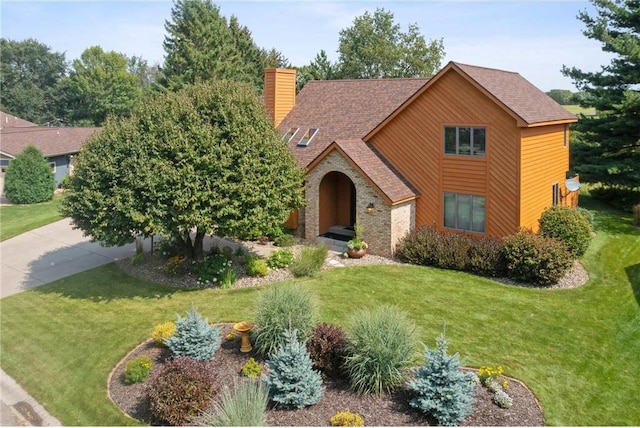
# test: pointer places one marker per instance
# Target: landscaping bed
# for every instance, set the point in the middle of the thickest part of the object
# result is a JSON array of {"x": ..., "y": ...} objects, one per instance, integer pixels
[{"x": 385, "y": 410}]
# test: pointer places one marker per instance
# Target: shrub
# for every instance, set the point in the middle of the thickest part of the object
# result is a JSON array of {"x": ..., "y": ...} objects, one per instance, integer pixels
[
  {"x": 179, "y": 392},
  {"x": 588, "y": 214},
  {"x": 380, "y": 346},
  {"x": 621, "y": 197},
  {"x": 279, "y": 308},
  {"x": 163, "y": 331},
  {"x": 138, "y": 369},
  {"x": 419, "y": 247},
  {"x": 327, "y": 347},
  {"x": 309, "y": 261},
  {"x": 292, "y": 381},
  {"x": 285, "y": 240},
  {"x": 441, "y": 388},
  {"x": 636, "y": 214},
  {"x": 251, "y": 369},
  {"x": 452, "y": 251},
  {"x": 486, "y": 257},
  {"x": 216, "y": 269},
  {"x": 175, "y": 266},
  {"x": 29, "y": 179},
  {"x": 168, "y": 247},
  {"x": 280, "y": 259},
  {"x": 256, "y": 266},
  {"x": 535, "y": 259},
  {"x": 347, "y": 419},
  {"x": 194, "y": 337},
  {"x": 245, "y": 406},
  {"x": 502, "y": 399},
  {"x": 569, "y": 226}
]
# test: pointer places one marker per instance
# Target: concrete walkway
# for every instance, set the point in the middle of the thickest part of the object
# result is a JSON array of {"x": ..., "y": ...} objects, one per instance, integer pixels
[{"x": 36, "y": 258}]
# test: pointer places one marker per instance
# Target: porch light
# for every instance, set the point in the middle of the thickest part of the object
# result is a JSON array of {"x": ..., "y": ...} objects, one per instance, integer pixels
[{"x": 371, "y": 208}]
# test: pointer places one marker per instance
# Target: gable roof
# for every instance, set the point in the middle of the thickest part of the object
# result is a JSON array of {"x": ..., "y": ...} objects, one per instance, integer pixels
[
  {"x": 19, "y": 133},
  {"x": 343, "y": 110}
]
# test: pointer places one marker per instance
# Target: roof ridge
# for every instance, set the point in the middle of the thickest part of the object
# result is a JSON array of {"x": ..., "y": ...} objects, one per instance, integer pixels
[
  {"x": 379, "y": 79},
  {"x": 485, "y": 68}
]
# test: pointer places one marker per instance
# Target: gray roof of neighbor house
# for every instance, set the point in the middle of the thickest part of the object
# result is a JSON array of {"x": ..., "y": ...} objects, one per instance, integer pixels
[{"x": 16, "y": 134}]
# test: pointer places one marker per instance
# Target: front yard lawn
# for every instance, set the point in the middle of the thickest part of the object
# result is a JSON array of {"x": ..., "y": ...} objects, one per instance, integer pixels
[
  {"x": 17, "y": 219},
  {"x": 576, "y": 349}
]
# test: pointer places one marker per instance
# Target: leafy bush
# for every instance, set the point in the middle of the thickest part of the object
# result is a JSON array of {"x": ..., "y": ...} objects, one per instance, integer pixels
[
  {"x": 216, "y": 269},
  {"x": 428, "y": 247},
  {"x": 285, "y": 240},
  {"x": 163, "y": 331},
  {"x": 588, "y": 214},
  {"x": 194, "y": 337},
  {"x": 347, "y": 419},
  {"x": 380, "y": 346},
  {"x": 636, "y": 214},
  {"x": 179, "y": 392},
  {"x": 327, "y": 347},
  {"x": 251, "y": 369},
  {"x": 280, "y": 259},
  {"x": 245, "y": 406},
  {"x": 279, "y": 308},
  {"x": 292, "y": 381},
  {"x": 29, "y": 179},
  {"x": 569, "y": 226},
  {"x": 138, "y": 369},
  {"x": 168, "y": 247},
  {"x": 502, "y": 399},
  {"x": 256, "y": 266},
  {"x": 309, "y": 261},
  {"x": 441, "y": 388},
  {"x": 175, "y": 266},
  {"x": 621, "y": 197},
  {"x": 535, "y": 259}
]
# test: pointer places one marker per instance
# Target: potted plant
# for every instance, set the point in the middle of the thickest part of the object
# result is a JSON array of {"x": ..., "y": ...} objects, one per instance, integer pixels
[{"x": 357, "y": 247}]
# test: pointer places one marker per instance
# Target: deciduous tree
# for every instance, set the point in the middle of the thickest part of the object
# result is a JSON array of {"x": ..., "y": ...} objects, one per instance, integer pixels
[
  {"x": 608, "y": 150},
  {"x": 205, "y": 159},
  {"x": 29, "y": 178}
]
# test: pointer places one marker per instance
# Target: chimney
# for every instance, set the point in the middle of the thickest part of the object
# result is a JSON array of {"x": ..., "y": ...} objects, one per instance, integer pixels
[{"x": 279, "y": 92}]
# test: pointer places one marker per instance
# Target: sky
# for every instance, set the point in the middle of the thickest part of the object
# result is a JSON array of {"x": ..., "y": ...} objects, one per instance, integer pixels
[{"x": 533, "y": 38}]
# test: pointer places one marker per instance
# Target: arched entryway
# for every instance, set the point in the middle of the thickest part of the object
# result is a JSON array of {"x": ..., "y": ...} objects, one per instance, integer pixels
[{"x": 337, "y": 208}]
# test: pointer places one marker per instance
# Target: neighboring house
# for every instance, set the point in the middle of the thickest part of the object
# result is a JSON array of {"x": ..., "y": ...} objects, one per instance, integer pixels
[
  {"x": 58, "y": 144},
  {"x": 472, "y": 149}
]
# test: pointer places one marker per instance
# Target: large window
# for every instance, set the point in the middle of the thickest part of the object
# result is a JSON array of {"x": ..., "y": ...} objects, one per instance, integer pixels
[
  {"x": 464, "y": 212},
  {"x": 465, "y": 141}
]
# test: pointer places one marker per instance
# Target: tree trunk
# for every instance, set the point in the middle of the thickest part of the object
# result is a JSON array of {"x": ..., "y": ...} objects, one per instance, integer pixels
[{"x": 192, "y": 249}]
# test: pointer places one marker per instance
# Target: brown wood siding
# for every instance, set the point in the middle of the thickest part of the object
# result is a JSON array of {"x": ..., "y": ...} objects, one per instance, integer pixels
[
  {"x": 279, "y": 93},
  {"x": 413, "y": 143},
  {"x": 544, "y": 162}
]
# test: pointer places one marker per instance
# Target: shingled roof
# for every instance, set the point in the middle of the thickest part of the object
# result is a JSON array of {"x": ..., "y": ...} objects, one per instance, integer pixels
[
  {"x": 517, "y": 94},
  {"x": 11, "y": 121}
]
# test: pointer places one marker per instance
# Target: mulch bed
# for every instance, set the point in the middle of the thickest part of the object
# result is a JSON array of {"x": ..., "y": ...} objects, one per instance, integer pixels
[{"x": 386, "y": 410}]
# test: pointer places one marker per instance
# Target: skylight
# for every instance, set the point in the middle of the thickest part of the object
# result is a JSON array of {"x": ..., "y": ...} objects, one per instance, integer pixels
[
  {"x": 306, "y": 138},
  {"x": 290, "y": 134}
]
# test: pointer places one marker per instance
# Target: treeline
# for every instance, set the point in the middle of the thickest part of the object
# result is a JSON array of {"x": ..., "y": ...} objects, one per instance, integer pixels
[
  {"x": 41, "y": 86},
  {"x": 565, "y": 97}
]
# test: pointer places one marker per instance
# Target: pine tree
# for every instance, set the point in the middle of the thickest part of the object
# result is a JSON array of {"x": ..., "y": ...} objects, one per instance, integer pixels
[
  {"x": 608, "y": 147},
  {"x": 29, "y": 178},
  {"x": 194, "y": 337},
  {"x": 442, "y": 389},
  {"x": 292, "y": 381}
]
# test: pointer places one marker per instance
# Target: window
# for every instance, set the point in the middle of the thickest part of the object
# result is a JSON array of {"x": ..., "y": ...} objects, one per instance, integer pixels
[
  {"x": 555, "y": 194},
  {"x": 53, "y": 166},
  {"x": 465, "y": 141},
  {"x": 290, "y": 134},
  {"x": 464, "y": 212},
  {"x": 306, "y": 138}
]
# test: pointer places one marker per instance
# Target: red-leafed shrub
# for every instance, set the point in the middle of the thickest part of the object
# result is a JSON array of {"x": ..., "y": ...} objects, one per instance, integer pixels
[
  {"x": 181, "y": 391},
  {"x": 327, "y": 347}
]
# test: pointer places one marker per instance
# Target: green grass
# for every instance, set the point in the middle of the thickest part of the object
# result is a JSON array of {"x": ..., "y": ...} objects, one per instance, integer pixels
[
  {"x": 17, "y": 219},
  {"x": 577, "y": 109},
  {"x": 577, "y": 349}
]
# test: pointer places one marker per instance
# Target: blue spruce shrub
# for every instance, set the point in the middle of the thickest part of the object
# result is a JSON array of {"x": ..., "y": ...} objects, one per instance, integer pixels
[
  {"x": 292, "y": 381},
  {"x": 441, "y": 388},
  {"x": 194, "y": 337}
]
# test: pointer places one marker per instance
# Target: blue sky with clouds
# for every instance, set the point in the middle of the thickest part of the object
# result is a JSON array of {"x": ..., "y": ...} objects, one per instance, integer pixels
[{"x": 533, "y": 38}]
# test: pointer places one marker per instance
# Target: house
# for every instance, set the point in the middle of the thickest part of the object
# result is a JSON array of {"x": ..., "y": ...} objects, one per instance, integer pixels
[
  {"x": 471, "y": 149},
  {"x": 58, "y": 144}
]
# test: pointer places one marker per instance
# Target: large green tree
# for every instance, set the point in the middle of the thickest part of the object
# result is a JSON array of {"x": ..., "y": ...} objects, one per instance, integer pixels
[
  {"x": 101, "y": 84},
  {"x": 29, "y": 76},
  {"x": 375, "y": 47},
  {"x": 608, "y": 147},
  {"x": 205, "y": 159},
  {"x": 320, "y": 68}
]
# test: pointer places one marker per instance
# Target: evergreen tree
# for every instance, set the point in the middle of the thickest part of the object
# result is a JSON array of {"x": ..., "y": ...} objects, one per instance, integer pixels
[
  {"x": 320, "y": 68},
  {"x": 292, "y": 381},
  {"x": 441, "y": 389},
  {"x": 29, "y": 178},
  {"x": 609, "y": 148},
  {"x": 194, "y": 337}
]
